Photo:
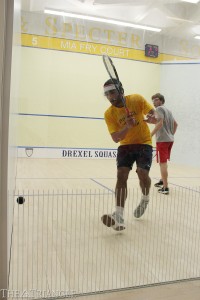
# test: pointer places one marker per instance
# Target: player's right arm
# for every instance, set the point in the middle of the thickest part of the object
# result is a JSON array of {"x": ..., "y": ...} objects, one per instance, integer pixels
[
  {"x": 116, "y": 132},
  {"x": 120, "y": 135}
]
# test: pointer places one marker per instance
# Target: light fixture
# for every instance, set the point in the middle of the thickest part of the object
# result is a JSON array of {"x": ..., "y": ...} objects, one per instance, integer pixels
[
  {"x": 179, "y": 19},
  {"x": 191, "y": 1},
  {"x": 98, "y": 19},
  {"x": 197, "y": 37}
]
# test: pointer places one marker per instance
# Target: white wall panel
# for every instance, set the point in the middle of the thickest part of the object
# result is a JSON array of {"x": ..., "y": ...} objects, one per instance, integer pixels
[{"x": 180, "y": 86}]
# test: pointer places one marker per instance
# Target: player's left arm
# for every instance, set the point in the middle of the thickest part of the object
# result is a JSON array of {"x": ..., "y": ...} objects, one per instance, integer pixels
[
  {"x": 175, "y": 126},
  {"x": 151, "y": 117},
  {"x": 148, "y": 111}
]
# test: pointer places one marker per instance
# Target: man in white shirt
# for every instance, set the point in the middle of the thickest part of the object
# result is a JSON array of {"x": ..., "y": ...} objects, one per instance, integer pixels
[{"x": 165, "y": 128}]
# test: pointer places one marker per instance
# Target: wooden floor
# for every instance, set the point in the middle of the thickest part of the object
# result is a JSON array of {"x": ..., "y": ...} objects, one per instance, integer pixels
[
  {"x": 63, "y": 174},
  {"x": 59, "y": 242},
  {"x": 189, "y": 290}
]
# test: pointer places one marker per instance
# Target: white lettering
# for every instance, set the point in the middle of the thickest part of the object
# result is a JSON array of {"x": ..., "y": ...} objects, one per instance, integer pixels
[
  {"x": 111, "y": 51},
  {"x": 68, "y": 45}
]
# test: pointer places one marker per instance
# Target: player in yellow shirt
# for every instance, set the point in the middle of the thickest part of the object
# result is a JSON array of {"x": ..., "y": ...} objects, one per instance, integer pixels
[{"x": 134, "y": 136}]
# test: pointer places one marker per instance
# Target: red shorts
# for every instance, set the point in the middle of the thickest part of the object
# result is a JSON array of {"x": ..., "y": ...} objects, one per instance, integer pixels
[{"x": 163, "y": 150}]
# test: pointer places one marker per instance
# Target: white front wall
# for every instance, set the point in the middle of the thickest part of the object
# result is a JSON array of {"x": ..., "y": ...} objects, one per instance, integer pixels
[{"x": 180, "y": 85}]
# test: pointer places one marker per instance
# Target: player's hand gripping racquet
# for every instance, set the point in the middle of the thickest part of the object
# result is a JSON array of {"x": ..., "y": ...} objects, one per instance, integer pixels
[{"x": 113, "y": 75}]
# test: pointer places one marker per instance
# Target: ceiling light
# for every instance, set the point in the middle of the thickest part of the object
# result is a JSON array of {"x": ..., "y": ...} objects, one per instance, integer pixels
[
  {"x": 98, "y": 19},
  {"x": 197, "y": 37},
  {"x": 191, "y": 1},
  {"x": 180, "y": 19}
]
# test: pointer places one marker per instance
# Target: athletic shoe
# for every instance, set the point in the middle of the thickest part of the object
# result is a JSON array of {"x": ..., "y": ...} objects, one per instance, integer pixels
[
  {"x": 164, "y": 191},
  {"x": 159, "y": 183},
  {"x": 139, "y": 211},
  {"x": 115, "y": 221}
]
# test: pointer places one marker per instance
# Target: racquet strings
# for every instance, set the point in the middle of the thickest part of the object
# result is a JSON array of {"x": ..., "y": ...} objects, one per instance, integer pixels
[
  {"x": 110, "y": 67},
  {"x": 114, "y": 76},
  {"x": 111, "y": 70}
]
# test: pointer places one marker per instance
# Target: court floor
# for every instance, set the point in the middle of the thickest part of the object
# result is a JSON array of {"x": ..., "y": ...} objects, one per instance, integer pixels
[
  {"x": 60, "y": 245},
  {"x": 43, "y": 174},
  {"x": 189, "y": 290}
]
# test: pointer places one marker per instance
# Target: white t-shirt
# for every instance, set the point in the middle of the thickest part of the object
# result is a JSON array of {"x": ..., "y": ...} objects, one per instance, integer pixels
[{"x": 166, "y": 132}]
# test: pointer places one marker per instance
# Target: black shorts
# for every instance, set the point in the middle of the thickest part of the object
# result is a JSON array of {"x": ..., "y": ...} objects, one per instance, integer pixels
[{"x": 139, "y": 153}]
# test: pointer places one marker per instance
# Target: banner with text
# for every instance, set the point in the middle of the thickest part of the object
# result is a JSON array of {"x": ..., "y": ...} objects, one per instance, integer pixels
[
  {"x": 67, "y": 153},
  {"x": 34, "y": 26}
]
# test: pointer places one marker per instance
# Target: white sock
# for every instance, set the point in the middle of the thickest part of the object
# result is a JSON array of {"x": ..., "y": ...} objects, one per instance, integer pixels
[
  {"x": 120, "y": 210},
  {"x": 145, "y": 198}
]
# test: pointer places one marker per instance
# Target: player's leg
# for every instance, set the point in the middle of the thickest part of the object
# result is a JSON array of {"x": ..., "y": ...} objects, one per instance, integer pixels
[
  {"x": 144, "y": 180},
  {"x": 164, "y": 173},
  {"x": 160, "y": 182},
  {"x": 116, "y": 220},
  {"x": 124, "y": 165},
  {"x": 145, "y": 183},
  {"x": 121, "y": 186},
  {"x": 120, "y": 197},
  {"x": 164, "y": 151},
  {"x": 144, "y": 161}
]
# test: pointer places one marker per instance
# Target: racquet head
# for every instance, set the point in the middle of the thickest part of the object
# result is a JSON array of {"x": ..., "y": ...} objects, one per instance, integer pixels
[{"x": 115, "y": 78}]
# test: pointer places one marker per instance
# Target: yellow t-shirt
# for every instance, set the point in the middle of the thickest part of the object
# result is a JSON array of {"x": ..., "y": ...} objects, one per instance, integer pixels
[{"x": 138, "y": 107}]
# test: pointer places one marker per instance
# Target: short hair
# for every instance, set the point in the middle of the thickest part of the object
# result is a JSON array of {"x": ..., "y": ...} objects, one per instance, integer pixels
[
  {"x": 115, "y": 81},
  {"x": 159, "y": 96}
]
